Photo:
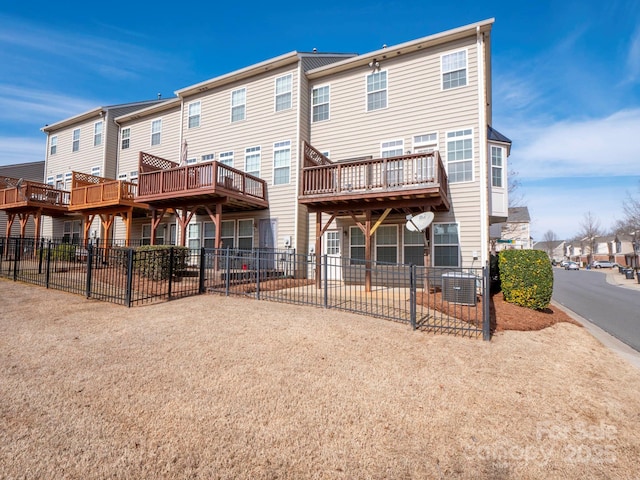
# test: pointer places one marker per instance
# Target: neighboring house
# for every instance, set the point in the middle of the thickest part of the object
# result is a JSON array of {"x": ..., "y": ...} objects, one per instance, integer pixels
[
  {"x": 627, "y": 249},
  {"x": 33, "y": 171},
  {"x": 556, "y": 250},
  {"x": 324, "y": 153},
  {"x": 515, "y": 233},
  {"x": 88, "y": 144}
]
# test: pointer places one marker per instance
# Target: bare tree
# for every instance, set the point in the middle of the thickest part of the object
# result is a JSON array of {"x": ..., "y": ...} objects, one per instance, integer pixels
[
  {"x": 631, "y": 209},
  {"x": 589, "y": 230},
  {"x": 549, "y": 240},
  {"x": 516, "y": 197}
]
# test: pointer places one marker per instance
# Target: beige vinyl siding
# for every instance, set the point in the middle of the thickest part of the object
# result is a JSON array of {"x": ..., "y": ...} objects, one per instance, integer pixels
[
  {"x": 140, "y": 139},
  {"x": 110, "y": 140},
  {"x": 416, "y": 104},
  {"x": 262, "y": 127},
  {"x": 33, "y": 171}
]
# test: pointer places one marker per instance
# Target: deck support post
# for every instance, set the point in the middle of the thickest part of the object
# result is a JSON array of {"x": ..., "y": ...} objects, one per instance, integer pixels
[
  {"x": 367, "y": 252},
  {"x": 318, "y": 247},
  {"x": 184, "y": 217}
]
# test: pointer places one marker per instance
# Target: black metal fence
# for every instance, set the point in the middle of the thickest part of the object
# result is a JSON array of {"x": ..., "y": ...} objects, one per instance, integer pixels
[{"x": 443, "y": 300}]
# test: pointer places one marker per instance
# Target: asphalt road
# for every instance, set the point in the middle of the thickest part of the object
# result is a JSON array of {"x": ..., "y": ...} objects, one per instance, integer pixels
[{"x": 614, "y": 309}]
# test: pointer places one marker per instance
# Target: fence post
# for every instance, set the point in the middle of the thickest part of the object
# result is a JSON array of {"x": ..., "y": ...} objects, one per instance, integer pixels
[
  {"x": 48, "y": 274},
  {"x": 325, "y": 279},
  {"x": 227, "y": 269},
  {"x": 486, "y": 314},
  {"x": 202, "y": 265},
  {"x": 89, "y": 269},
  {"x": 15, "y": 258},
  {"x": 171, "y": 257},
  {"x": 258, "y": 274},
  {"x": 40, "y": 256},
  {"x": 412, "y": 295},
  {"x": 129, "y": 292}
]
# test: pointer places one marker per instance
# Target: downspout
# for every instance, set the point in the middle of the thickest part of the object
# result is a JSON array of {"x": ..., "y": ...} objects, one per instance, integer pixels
[
  {"x": 482, "y": 133},
  {"x": 182, "y": 241},
  {"x": 298, "y": 160}
]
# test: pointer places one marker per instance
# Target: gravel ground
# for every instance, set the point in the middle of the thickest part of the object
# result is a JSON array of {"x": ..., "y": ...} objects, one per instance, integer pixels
[{"x": 216, "y": 387}]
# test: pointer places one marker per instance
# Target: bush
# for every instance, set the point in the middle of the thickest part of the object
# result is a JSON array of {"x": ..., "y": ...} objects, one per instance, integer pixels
[
  {"x": 153, "y": 261},
  {"x": 526, "y": 278},
  {"x": 65, "y": 252}
]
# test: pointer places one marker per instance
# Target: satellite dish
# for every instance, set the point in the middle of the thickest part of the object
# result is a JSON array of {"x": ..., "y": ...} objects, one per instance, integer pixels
[
  {"x": 19, "y": 182},
  {"x": 419, "y": 223}
]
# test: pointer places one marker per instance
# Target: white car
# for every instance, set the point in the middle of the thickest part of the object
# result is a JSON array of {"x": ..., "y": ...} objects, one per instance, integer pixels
[
  {"x": 572, "y": 266},
  {"x": 602, "y": 264}
]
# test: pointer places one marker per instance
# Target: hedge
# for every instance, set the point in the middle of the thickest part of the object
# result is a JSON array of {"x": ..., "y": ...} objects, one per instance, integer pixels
[{"x": 526, "y": 278}]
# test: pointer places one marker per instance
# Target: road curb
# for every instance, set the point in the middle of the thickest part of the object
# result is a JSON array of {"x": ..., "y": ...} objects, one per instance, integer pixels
[{"x": 609, "y": 341}]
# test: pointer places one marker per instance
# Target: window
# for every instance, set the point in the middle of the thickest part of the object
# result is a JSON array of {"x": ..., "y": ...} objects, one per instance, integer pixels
[
  {"x": 413, "y": 247},
  {"x": 133, "y": 176},
  {"x": 193, "y": 236},
  {"x": 376, "y": 91},
  {"x": 95, "y": 171},
  {"x": 122, "y": 177},
  {"x": 75, "y": 146},
  {"x": 209, "y": 233},
  {"x": 191, "y": 161},
  {"x": 320, "y": 102},
  {"x": 283, "y": 93},
  {"x": 393, "y": 148},
  {"x": 53, "y": 145},
  {"x": 194, "y": 114},
  {"x": 387, "y": 243},
  {"x": 97, "y": 133},
  {"x": 252, "y": 161},
  {"x": 126, "y": 137},
  {"x": 496, "y": 166},
  {"x": 71, "y": 232},
  {"x": 68, "y": 180},
  {"x": 281, "y": 162},
  {"x": 156, "y": 131},
  {"x": 454, "y": 69},
  {"x": 145, "y": 238},
  {"x": 59, "y": 182},
  {"x": 445, "y": 245},
  {"x": 460, "y": 156},
  {"x": 226, "y": 158},
  {"x": 208, "y": 157},
  {"x": 238, "y": 104},
  {"x": 333, "y": 242},
  {"x": 245, "y": 234},
  {"x": 356, "y": 246},
  {"x": 51, "y": 181},
  {"x": 425, "y": 143},
  {"x": 227, "y": 233}
]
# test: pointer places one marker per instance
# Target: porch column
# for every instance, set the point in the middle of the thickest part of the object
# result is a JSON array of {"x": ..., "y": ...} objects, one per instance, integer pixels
[
  {"x": 10, "y": 218},
  {"x": 107, "y": 222},
  {"x": 24, "y": 218},
  {"x": 184, "y": 220},
  {"x": 37, "y": 217}
]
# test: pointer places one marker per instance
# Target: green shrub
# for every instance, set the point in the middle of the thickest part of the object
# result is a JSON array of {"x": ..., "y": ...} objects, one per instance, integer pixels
[
  {"x": 526, "y": 278},
  {"x": 153, "y": 261},
  {"x": 65, "y": 252}
]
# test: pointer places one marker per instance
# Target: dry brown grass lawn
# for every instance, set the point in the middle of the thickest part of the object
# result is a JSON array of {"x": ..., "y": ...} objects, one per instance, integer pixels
[{"x": 215, "y": 387}]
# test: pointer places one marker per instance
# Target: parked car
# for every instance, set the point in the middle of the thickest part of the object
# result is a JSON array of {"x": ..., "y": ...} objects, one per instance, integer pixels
[
  {"x": 571, "y": 266},
  {"x": 563, "y": 263},
  {"x": 602, "y": 264}
]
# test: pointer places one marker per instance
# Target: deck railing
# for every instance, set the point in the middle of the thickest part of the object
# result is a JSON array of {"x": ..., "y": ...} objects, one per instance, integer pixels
[
  {"x": 154, "y": 180},
  {"x": 361, "y": 176},
  {"x": 109, "y": 191},
  {"x": 35, "y": 193}
]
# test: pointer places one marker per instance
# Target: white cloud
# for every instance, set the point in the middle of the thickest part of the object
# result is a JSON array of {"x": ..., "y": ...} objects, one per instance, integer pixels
[
  {"x": 600, "y": 146},
  {"x": 633, "y": 57},
  {"x": 21, "y": 150}
]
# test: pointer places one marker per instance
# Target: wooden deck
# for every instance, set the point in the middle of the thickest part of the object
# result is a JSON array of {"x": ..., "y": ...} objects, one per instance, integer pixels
[
  {"x": 162, "y": 183},
  {"x": 406, "y": 181},
  {"x": 27, "y": 196},
  {"x": 92, "y": 193}
]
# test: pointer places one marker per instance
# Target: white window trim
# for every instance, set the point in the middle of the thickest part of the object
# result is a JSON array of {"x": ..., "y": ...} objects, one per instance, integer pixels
[
  {"x": 255, "y": 148},
  {"x": 226, "y": 156},
  {"x": 208, "y": 157},
  {"x": 96, "y": 171},
  {"x": 367, "y": 92},
  {"x": 277, "y": 149},
  {"x": 422, "y": 144},
  {"x": 53, "y": 143},
  {"x": 152, "y": 132},
  {"x": 466, "y": 67},
  {"x": 232, "y": 106},
  {"x": 122, "y": 138},
  {"x": 472, "y": 160},
  {"x": 95, "y": 135},
  {"x": 73, "y": 139},
  {"x": 503, "y": 158},
  {"x": 397, "y": 245},
  {"x": 199, "y": 114},
  {"x": 328, "y": 102},
  {"x": 432, "y": 242},
  {"x": 237, "y": 231},
  {"x": 276, "y": 94},
  {"x": 383, "y": 149}
]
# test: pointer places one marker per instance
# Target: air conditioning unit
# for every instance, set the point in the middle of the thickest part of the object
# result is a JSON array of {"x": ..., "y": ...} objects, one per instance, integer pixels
[{"x": 459, "y": 287}]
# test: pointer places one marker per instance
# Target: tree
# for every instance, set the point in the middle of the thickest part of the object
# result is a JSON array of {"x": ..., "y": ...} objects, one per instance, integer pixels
[
  {"x": 516, "y": 197},
  {"x": 589, "y": 231},
  {"x": 549, "y": 241},
  {"x": 631, "y": 209}
]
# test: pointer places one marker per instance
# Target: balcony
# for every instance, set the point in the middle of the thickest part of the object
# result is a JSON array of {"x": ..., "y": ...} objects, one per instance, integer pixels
[
  {"x": 162, "y": 183},
  {"x": 406, "y": 181},
  {"x": 89, "y": 192},
  {"x": 22, "y": 196}
]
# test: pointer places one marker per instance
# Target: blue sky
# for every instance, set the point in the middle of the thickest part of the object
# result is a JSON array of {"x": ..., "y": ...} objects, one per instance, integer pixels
[{"x": 566, "y": 75}]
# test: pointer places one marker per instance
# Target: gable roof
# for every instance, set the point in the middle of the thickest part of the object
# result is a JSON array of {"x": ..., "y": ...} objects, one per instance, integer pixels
[{"x": 518, "y": 215}]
